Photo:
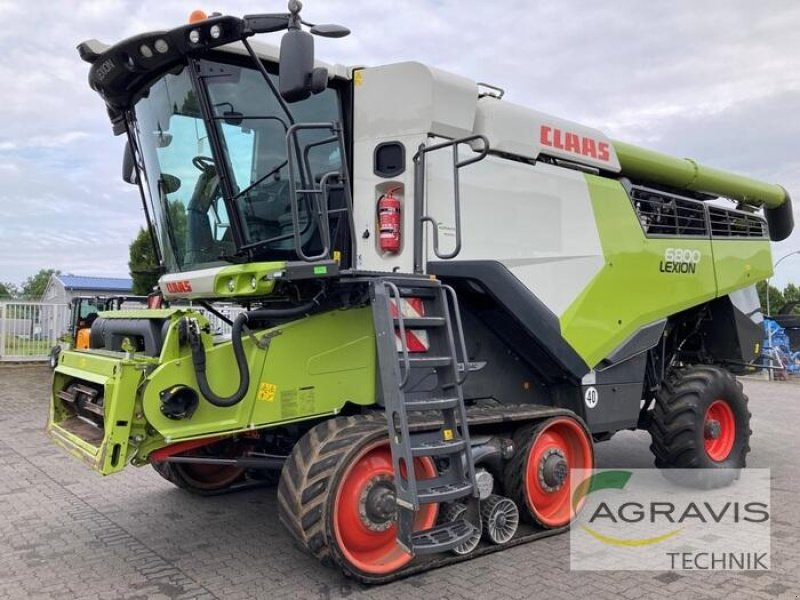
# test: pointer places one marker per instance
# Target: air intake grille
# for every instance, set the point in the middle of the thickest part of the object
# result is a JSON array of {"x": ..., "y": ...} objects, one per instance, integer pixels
[
  {"x": 664, "y": 214},
  {"x": 734, "y": 223}
]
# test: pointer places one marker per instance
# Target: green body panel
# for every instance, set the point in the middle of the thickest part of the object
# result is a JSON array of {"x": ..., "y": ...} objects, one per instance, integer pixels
[
  {"x": 631, "y": 290},
  {"x": 311, "y": 367},
  {"x": 685, "y": 174},
  {"x": 238, "y": 280},
  {"x": 124, "y": 422},
  {"x": 741, "y": 263}
]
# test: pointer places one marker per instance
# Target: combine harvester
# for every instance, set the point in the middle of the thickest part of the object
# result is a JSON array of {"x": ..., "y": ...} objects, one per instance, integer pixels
[{"x": 450, "y": 298}]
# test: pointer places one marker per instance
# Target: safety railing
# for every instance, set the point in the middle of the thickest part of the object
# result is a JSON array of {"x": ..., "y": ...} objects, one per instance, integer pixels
[{"x": 29, "y": 330}]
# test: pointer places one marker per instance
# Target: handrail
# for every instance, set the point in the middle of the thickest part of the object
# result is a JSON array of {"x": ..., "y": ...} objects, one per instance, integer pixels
[
  {"x": 419, "y": 195},
  {"x": 460, "y": 330},
  {"x": 317, "y": 204},
  {"x": 394, "y": 291}
]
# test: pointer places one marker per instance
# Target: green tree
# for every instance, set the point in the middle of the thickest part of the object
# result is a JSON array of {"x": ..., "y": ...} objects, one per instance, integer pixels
[
  {"x": 34, "y": 286},
  {"x": 791, "y": 293},
  {"x": 776, "y": 299},
  {"x": 178, "y": 224},
  {"x": 8, "y": 290},
  {"x": 142, "y": 264}
]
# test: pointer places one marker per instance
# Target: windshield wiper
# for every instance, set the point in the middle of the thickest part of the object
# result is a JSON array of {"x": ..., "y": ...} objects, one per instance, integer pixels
[{"x": 259, "y": 180}]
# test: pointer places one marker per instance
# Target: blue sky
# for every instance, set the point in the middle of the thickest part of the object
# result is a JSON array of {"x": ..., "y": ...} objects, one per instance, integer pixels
[{"x": 718, "y": 81}]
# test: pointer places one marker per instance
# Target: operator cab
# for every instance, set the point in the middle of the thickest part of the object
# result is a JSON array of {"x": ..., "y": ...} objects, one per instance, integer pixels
[
  {"x": 201, "y": 172},
  {"x": 236, "y": 162}
]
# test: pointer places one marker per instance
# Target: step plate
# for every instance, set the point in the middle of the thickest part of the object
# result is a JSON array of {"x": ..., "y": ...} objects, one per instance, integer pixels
[{"x": 442, "y": 538}]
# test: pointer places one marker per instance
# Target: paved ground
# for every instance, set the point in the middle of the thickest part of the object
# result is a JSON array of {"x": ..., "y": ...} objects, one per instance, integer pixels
[{"x": 67, "y": 533}]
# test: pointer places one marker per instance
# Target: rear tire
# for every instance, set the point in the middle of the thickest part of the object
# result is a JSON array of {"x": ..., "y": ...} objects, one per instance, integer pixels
[
  {"x": 325, "y": 497},
  {"x": 701, "y": 421}
]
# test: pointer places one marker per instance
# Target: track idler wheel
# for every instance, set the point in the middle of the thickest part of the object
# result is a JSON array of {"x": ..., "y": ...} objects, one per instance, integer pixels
[
  {"x": 537, "y": 477},
  {"x": 336, "y": 497},
  {"x": 499, "y": 518}
]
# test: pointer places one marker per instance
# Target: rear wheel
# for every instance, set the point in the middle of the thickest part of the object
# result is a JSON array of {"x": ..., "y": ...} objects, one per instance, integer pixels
[
  {"x": 336, "y": 497},
  {"x": 701, "y": 420},
  {"x": 537, "y": 477},
  {"x": 204, "y": 479}
]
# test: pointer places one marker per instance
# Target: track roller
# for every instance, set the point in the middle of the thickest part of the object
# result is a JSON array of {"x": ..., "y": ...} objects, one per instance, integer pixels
[{"x": 500, "y": 519}]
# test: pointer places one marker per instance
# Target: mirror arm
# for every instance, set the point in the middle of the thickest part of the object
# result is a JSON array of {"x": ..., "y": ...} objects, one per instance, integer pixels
[{"x": 270, "y": 83}]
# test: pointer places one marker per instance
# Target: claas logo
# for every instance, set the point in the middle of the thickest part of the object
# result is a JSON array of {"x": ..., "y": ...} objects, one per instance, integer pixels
[
  {"x": 179, "y": 287},
  {"x": 573, "y": 142}
]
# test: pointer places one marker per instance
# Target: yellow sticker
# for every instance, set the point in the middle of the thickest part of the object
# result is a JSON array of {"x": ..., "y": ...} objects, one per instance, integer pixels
[
  {"x": 358, "y": 77},
  {"x": 447, "y": 434},
  {"x": 337, "y": 256},
  {"x": 266, "y": 391}
]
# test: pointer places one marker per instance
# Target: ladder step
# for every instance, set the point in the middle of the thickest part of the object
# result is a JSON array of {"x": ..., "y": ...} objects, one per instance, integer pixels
[
  {"x": 443, "y": 492},
  {"x": 432, "y": 403},
  {"x": 429, "y": 361},
  {"x": 420, "y": 292},
  {"x": 438, "y": 448},
  {"x": 443, "y": 537},
  {"x": 421, "y": 322}
]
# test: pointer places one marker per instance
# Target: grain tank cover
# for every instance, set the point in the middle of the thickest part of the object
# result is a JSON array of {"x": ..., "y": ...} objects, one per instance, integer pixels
[{"x": 527, "y": 133}]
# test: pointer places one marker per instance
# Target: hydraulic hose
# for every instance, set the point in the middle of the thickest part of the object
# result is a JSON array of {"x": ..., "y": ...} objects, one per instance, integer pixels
[{"x": 199, "y": 353}]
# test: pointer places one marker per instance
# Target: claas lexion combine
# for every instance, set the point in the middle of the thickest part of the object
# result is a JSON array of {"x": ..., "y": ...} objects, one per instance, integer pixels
[{"x": 448, "y": 298}]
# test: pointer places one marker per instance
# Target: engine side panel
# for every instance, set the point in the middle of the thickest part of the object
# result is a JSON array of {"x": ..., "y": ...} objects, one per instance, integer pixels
[{"x": 644, "y": 279}]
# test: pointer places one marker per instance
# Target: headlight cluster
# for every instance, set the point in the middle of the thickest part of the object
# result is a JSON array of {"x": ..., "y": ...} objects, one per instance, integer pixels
[
  {"x": 198, "y": 34},
  {"x": 160, "y": 45}
]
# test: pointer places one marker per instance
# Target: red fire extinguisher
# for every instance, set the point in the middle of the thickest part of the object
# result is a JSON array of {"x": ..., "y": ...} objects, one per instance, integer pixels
[{"x": 389, "y": 222}]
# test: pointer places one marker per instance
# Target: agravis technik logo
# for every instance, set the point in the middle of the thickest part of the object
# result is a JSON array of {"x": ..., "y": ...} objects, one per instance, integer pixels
[{"x": 642, "y": 519}]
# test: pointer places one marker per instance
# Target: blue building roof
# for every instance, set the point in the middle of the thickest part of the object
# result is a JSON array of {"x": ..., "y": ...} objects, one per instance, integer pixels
[{"x": 108, "y": 284}]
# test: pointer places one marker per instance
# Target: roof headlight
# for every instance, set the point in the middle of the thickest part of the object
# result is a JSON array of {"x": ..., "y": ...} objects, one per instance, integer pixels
[
  {"x": 215, "y": 32},
  {"x": 194, "y": 36},
  {"x": 146, "y": 51},
  {"x": 161, "y": 46}
]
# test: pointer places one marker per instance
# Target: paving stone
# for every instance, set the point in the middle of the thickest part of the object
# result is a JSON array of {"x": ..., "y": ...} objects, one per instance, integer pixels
[{"x": 66, "y": 532}]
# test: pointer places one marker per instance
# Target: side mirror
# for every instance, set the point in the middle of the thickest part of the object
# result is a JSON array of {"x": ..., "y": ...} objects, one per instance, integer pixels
[
  {"x": 297, "y": 75},
  {"x": 128, "y": 166}
]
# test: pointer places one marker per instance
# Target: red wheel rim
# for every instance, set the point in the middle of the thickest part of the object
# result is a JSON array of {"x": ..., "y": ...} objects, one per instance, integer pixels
[
  {"x": 719, "y": 430},
  {"x": 371, "y": 551},
  {"x": 566, "y": 438}
]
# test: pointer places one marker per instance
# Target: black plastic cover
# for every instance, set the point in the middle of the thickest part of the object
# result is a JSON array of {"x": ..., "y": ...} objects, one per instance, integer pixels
[{"x": 780, "y": 220}]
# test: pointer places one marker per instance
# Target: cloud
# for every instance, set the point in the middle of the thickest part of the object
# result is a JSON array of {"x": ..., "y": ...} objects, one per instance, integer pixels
[{"x": 718, "y": 81}]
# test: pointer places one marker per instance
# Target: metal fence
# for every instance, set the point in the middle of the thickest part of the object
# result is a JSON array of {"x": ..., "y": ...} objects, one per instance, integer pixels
[{"x": 28, "y": 330}]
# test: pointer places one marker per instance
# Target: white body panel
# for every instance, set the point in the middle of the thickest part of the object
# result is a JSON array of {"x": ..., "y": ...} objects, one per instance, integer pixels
[
  {"x": 528, "y": 133},
  {"x": 535, "y": 219},
  {"x": 403, "y": 102}
]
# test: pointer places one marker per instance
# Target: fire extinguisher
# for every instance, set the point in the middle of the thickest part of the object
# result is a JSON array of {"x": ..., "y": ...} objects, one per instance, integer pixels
[{"x": 389, "y": 222}]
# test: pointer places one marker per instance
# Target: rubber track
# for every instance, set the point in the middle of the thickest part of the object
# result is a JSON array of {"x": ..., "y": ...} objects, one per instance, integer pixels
[
  {"x": 303, "y": 491},
  {"x": 676, "y": 417}
]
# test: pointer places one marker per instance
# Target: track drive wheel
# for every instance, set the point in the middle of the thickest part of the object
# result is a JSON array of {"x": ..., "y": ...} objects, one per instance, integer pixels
[
  {"x": 537, "y": 478},
  {"x": 700, "y": 420},
  {"x": 336, "y": 497},
  {"x": 204, "y": 480}
]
